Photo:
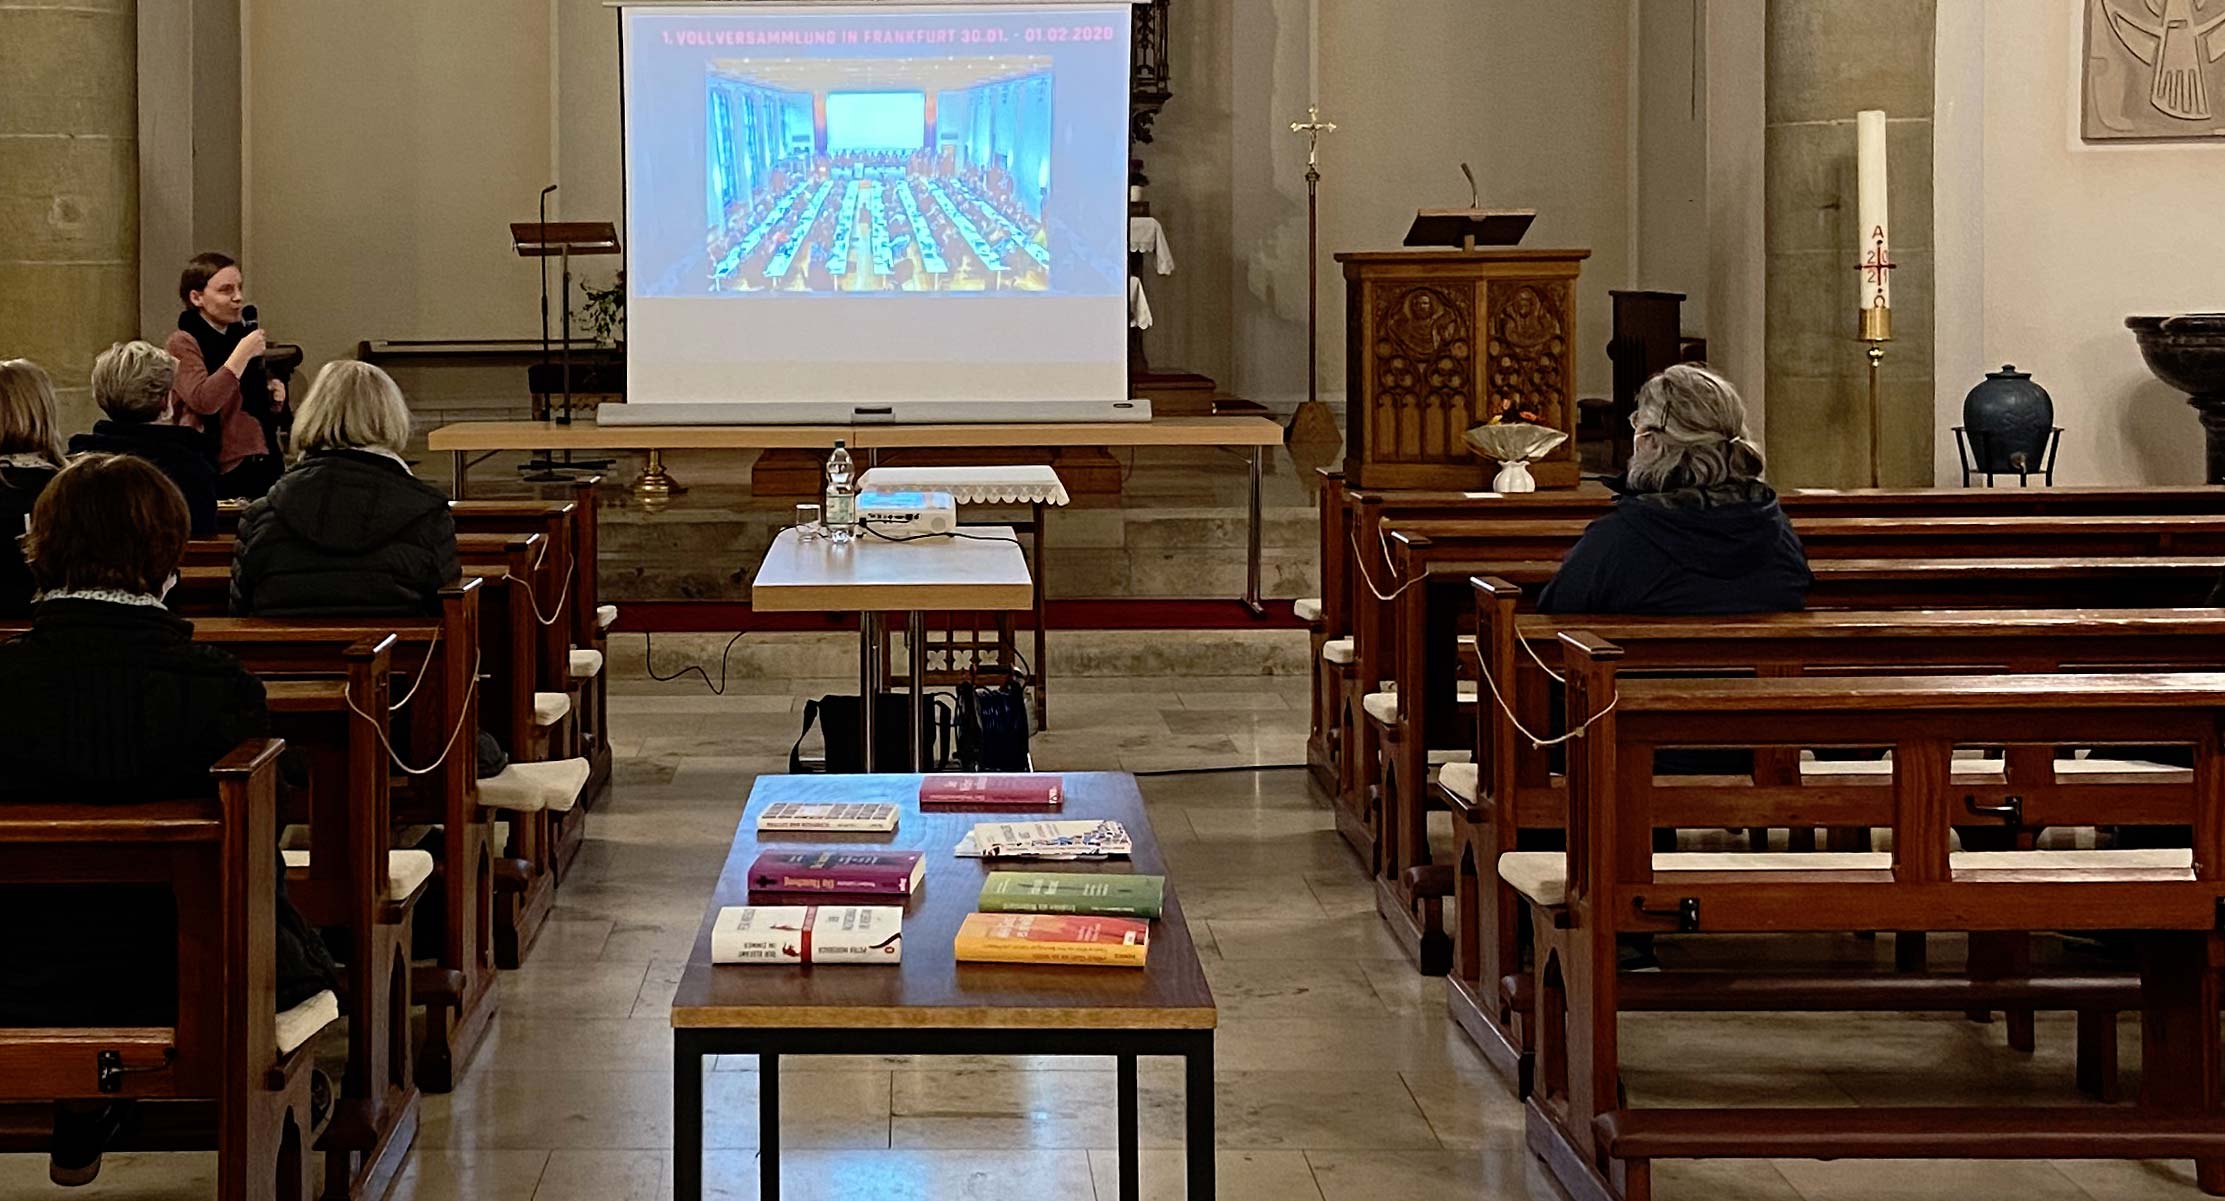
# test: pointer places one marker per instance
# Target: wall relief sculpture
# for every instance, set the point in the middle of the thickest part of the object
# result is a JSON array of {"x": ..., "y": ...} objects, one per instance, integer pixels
[{"x": 2154, "y": 70}]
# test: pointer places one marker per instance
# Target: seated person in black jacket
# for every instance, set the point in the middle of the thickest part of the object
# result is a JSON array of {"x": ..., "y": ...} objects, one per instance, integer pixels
[
  {"x": 109, "y": 699},
  {"x": 1694, "y": 529},
  {"x": 30, "y": 454},
  {"x": 131, "y": 383},
  {"x": 348, "y": 531}
]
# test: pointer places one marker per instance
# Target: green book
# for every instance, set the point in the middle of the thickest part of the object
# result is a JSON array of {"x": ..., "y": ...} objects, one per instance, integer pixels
[{"x": 1073, "y": 892}]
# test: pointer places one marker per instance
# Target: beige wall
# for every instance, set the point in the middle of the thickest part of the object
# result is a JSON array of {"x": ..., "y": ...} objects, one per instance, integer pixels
[
  {"x": 388, "y": 147},
  {"x": 2058, "y": 241},
  {"x": 1827, "y": 60},
  {"x": 68, "y": 193},
  {"x": 418, "y": 138},
  {"x": 1533, "y": 94}
]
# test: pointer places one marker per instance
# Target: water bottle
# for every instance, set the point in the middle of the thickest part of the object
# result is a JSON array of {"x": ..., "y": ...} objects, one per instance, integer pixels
[{"x": 841, "y": 511}]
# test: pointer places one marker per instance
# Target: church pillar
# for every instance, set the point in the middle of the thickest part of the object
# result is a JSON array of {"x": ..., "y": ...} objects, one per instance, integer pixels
[
  {"x": 69, "y": 196},
  {"x": 1827, "y": 60}
]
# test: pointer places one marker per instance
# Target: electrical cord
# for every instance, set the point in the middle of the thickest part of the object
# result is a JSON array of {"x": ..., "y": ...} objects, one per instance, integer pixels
[{"x": 717, "y": 689}]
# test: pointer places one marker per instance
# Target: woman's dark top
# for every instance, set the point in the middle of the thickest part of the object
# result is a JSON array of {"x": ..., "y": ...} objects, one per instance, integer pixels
[
  {"x": 345, "y": 533},
  {"x": 178, "y": 452},
  {"x": 1685, "y": 553},
  {"x": 19, "y": 490},
  {"x": 112, "y": 703}
]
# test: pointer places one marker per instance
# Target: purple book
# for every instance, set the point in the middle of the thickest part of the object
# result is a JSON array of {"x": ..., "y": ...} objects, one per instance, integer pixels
[{"x": 865, "y": 873}]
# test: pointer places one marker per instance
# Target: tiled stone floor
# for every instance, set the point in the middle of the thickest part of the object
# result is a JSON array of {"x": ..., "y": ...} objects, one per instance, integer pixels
[{"x": 1339, "y": 1077}]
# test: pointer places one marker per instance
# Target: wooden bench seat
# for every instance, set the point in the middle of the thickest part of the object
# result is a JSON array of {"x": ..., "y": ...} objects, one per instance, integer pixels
[
  {"x": 1844, "y": 795},
  {"x": 1383, "y": 806},
  {"x": 1347, "y": 513},
  {"x": 230, "y": 1073},
  {"x": 1599, "y": 1146}
]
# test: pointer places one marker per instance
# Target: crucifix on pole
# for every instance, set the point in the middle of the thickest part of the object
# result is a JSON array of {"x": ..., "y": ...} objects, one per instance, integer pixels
[{"x": 1313, "y": 127}]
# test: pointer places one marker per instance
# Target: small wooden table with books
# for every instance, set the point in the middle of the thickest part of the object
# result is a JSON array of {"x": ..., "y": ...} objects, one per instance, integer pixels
[{"x": 929, "y": 1003}]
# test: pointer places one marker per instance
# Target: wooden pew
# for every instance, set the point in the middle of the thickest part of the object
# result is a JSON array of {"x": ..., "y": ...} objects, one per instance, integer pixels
[
  {"x": 1381, "y": 808},
  {"x": 1488, "y": 987},
  {"x": 433, "y": 662},
  {"x": 516, "y": 657},
  {"x": 223, "y": 1074},
  {"x": 1350, "y": 521},
  {"x": 571, "y": 521},
  {"x": 1610, "y": 882},
  {"x": 218, "y": 552}
]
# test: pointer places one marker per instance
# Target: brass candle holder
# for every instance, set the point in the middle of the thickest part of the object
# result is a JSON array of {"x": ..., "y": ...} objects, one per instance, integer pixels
[{"x": 1876, "y": 331}]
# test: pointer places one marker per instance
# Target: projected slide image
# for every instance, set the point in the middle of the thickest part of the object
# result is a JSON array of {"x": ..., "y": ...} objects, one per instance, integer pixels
[{"x": 835, "y": 176}]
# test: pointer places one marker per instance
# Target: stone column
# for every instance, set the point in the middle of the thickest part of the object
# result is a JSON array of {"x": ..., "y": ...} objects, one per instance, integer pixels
[
  {"x": 69, "y": 192},
  {"x": 1827, "y": 60}
]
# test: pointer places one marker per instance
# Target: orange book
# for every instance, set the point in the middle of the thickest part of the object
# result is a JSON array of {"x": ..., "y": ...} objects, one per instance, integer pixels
[{"x": 1053, "y": 938}]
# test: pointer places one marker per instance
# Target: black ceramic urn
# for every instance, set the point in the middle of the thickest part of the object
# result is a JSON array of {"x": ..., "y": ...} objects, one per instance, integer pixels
[{"x": 2008, "y": 419}]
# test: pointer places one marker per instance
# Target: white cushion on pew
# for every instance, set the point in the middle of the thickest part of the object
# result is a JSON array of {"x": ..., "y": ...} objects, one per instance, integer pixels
[
  {"x": 606, "y": 616},
  {"x": 1308, "y": 609},
  {"x": 2097, "y": 767},
  {"x": 1339, "y": 651},
  {"x": 530, "y": 787},
  {"x": 1382, "y": 706},
  {"x": 2166, "y": 858},
  {"x": 301, "y": 1023},
  {"x": 1463, "y": 780},
  {"x": 1972, "y": 765},
  {"x": 550, "y": 707},
  {"x": 1542, "y": 876},
  {"x": 586, "y": 665},
  {"x": 406, "y": 871}
]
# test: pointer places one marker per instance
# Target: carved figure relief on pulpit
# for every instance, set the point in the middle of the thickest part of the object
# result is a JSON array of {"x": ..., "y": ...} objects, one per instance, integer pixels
[
  {"x": 1528, "y": 353},
  {"x": 1423, "y": 370}
]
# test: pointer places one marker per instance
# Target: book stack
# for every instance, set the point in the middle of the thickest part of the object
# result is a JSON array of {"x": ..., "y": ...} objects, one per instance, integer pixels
[
  {"x": 859, "y": 873},
  {"x": 808, "y": 934},
  {"x": 992, "y": 792},
  {"x": 855, "y": 817},
  {"x": 1094, "y": 894},
  {"x": 1046, "y": 840},
  {"x": 1053, "y": 938}
]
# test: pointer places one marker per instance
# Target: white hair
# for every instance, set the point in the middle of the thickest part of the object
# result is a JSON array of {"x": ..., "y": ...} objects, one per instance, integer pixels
[
  {"x": 1691, "y": 433},
  {"x": 353, "y": 406},
  {"x": 131, "y": 380}
]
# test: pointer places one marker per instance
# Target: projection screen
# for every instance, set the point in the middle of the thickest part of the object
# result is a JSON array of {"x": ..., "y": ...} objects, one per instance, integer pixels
[{"x": 843, "y": 212}]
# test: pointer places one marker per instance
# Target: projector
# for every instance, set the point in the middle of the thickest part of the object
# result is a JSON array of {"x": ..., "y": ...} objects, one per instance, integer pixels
[{"x": 907, "y": 514}]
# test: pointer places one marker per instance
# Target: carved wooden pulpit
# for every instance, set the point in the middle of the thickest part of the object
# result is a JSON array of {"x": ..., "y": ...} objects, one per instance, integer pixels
[{"x": 1439, "y": 341}]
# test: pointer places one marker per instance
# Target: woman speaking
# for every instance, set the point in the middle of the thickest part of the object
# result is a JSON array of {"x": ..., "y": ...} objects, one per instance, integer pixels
[{"x": 221, "y": 387}]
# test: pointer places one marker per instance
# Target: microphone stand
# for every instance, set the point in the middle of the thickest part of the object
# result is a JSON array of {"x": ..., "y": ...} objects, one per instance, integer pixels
[{"x": 545, "y": 468}]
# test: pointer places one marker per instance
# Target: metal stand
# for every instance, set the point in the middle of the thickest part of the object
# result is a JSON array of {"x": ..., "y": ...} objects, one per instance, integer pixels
[
  {"x": 869, "y": 682},
  {"x": 1877, "y": 330}
]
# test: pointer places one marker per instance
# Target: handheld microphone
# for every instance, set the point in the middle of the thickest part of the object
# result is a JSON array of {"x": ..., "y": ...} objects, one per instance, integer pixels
[{"x": 249, "y": 318}]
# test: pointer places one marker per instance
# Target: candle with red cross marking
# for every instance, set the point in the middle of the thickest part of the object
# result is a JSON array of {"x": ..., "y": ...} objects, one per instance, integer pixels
[{"x": 1875, "y": 246}]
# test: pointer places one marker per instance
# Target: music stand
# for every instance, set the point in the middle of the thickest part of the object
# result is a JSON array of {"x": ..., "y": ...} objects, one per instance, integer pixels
[
  {"x": 1466, "y": 229},
  {"x": 563, "y": 239}
]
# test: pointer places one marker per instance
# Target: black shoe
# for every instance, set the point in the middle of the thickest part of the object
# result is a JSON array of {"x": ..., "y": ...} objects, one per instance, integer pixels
[{"x": 81, "y": 1135}]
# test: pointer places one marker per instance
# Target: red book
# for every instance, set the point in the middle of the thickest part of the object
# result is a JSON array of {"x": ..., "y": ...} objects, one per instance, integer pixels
[
  {"x": 864, "y": 873},
  {"x": 991, "y": 793}
]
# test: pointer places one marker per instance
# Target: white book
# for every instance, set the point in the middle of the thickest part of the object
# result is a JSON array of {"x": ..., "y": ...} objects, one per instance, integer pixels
[
  {"x": 866, "y": 816},
  {"x": 808, "y": 934},
  {"x": 1045, "y": 840}
]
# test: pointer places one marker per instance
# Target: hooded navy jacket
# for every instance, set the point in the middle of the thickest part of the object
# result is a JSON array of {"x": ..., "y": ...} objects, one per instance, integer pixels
[{"x": 1689, "y": 552}]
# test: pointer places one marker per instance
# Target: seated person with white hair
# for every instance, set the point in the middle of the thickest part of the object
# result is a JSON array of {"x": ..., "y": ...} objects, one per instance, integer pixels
[
  {"x": 348, "y": 530},
  {"x": 131, "y": 383},
  {"x": 1695, "y": 530}
]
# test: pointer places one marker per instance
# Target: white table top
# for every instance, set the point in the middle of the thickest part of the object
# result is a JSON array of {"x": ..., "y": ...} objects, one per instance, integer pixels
[{"x": 984, "y": 571}]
